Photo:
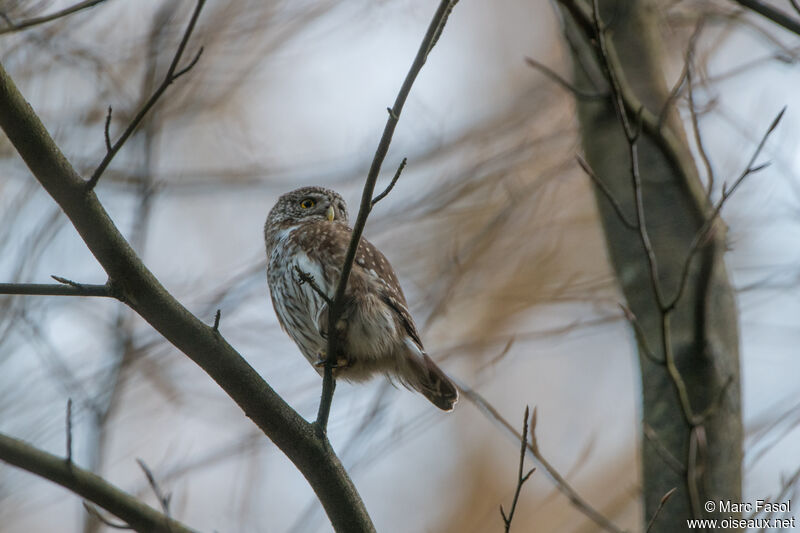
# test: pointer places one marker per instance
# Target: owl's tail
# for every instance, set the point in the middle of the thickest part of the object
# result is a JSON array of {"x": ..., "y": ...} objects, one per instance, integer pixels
[{"x": 432, "y": 382}]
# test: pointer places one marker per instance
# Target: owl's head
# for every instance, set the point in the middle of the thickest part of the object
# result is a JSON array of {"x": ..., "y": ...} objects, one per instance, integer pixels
[{"x": 306, "y": 204}]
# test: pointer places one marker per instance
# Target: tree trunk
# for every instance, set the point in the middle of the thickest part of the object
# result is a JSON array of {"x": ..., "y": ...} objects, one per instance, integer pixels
[{"x": 700, "y": 457}]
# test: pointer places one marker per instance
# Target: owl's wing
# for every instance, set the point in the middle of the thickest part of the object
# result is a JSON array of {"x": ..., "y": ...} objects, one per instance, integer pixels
[
  {"x": 375, "y": 265},
  {"x": 327, "y": 244},
  {"x": 404, "y": 317}
]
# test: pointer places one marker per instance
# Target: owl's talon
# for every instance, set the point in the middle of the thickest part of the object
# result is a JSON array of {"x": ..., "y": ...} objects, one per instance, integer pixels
[{"x": 340, "y": 363}]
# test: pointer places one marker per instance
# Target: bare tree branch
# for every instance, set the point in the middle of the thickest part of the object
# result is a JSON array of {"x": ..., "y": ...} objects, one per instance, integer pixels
[
  {"x": 69, "y": 431},
  {"x": 687, "y": 63},
  {"x": 56, "y": 289},
  {"x": 305, "y": 277},
  {"x": 650, "y": 123},
  {"x": 661, "y": 504},
  {"x": 139, "y": 516},
  {"x": 392, "y": 183},
  {"x": 107, "y": 131},
  {"x": 561, "y": 82},
  {"x": 488, "y": 410},
  {"x": 705, "y": 230},
  {"x": 171, "y": 75},
  {"x": 521, "y": 479},
  {"x": 163, "y": 499},
  {"x": 606, "y": 192},
  {"x": 641, "y": 338},
  {"x": 671, "y": 461},
  {"x": 144, "y": 293},
  {"x": 632, "y": 133},
  {"x": 334, "y": 311},
  {"x": 17, "y": 26},
  {"x": 772, "y": 13},
  {"x": 696, "y": 131},
  {"x": 696, "y": 455},
  {"x": 92, "y": 510}
]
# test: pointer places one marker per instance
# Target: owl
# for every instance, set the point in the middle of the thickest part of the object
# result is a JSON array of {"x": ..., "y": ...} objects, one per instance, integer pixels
[{"x": 306, "y": 231}]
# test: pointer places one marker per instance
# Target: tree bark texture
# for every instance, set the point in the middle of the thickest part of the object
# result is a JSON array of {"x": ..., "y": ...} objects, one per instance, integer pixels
[{"x": 702, "y": 458}]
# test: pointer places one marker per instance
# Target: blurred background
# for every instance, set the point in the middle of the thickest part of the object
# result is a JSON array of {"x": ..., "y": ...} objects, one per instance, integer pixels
[{"x": 492, "y": 230}]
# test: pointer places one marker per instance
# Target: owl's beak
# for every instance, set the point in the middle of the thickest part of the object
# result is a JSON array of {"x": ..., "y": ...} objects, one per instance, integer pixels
[{"x": 330, "y": 213}]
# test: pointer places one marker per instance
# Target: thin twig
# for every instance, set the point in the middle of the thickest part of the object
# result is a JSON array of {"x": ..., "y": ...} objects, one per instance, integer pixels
[
  {"x": 163, "y": 499},
  {"x": 391, "y": 185},
  {"x": 141, "y": 517},
  {"x": 95, "y": 513},
  {"x": 641, "y": 338},
  {"x": 326, "y": 396},
  {"x": 672, "y": 369},
  {"x": 552, "y": 75},
  {"x": 488, "y": 410},
  {"x": 334, "y": 311},
  {"x": 672, "y": 97},
  {"x": 328, "y": 383},
  {"x": 671, "y": 461},
  {"x": 69, "y": 431},
  {"x": 787, "y": 485},
  {"x": 687, "y": 73},
  {"x": 717, "y": 401},
  {"x": 55, "y": 289},
  {"x": 497, "y": 358},
  {"x": 703, "y": 233},
  {"x": 66, "y": 281},
  {"x": 698, "y": 138},
  {"x": 696, "y": 468},
  {"x": 171, "y": 75},
  {"x": 107, "y": 132},
  {"x": 305, "y": 277},
  {"x": 661, "y": 504},
  {"x": 48, "y": 18},
  {"x": 687, "y": 62},
  {"x": 775, "y": 15},
  {"x": 217, "y": 317},
  {"x": 521, "y": 479},
  {"x": 606, "y": 192}
]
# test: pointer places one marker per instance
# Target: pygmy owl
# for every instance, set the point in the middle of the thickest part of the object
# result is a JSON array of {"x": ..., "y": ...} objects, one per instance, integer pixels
[{"x": 307, "y": 230}]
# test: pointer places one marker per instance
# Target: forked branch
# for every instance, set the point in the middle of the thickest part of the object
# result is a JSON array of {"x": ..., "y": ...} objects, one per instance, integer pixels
[
  {"x": 136, "y": 514},
  {"x": 772, "y": 13},
  {"x": 521, "y": 478},
  {"x": 29, "y": 23},
  {"x": 64, "y": 287},
  {"x": 704, "y": 233},
  {"x": 172, "y": 74},
  {"x": 488, "y": 410}
]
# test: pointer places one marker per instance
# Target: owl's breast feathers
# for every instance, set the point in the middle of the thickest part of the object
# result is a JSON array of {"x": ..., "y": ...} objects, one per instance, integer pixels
[{"x": 325, "y": 244}]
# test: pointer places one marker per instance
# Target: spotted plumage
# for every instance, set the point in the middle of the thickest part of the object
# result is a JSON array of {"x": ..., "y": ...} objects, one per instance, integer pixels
[{"x": 307, "y": 230}]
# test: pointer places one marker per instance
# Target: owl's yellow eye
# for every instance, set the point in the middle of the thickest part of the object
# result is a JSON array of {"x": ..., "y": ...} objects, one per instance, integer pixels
[{"x": 308, "y": 203}]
